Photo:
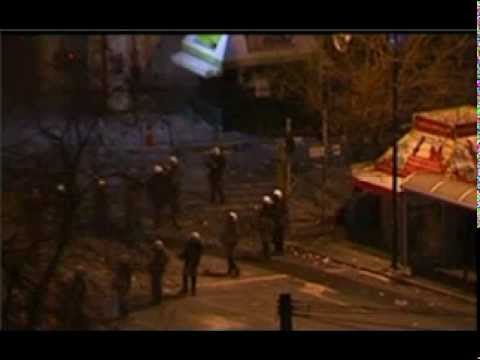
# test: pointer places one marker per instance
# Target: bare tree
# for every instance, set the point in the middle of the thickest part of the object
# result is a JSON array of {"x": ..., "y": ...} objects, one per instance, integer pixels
[
  {"x": 67, "y": 134},
  {"x": 435, "y": 71},
  {"x": 61, "y": 154}
]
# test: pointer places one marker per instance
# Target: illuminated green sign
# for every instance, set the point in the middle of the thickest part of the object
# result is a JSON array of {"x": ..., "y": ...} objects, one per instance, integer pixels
[{"x": 209, "y": 40}]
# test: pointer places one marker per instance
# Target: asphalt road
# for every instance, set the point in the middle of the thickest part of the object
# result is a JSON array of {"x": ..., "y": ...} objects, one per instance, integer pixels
[{"x": 330, "y": 298}]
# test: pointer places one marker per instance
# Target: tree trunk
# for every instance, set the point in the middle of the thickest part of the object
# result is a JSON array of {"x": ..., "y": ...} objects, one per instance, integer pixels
[
  {"x": 40, "y": 294},
  {"x": 12, "y": 283}
]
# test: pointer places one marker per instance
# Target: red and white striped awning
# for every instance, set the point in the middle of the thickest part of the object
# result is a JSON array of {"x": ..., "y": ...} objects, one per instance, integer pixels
[
  {"x": 442, "y": 142},
  {"x": 368, "y": 177},
  {"x": 439, "y": 187}
]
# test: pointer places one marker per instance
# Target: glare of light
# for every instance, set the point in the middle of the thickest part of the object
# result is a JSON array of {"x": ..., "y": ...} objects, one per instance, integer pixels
[{"x": 341, "y": 41}]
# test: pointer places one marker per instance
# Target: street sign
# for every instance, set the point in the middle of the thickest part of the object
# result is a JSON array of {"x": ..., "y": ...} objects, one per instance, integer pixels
[{"x": 316, "y": 151}]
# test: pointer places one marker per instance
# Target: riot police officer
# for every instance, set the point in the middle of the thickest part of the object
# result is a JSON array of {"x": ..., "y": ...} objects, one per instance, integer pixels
[
  {"x": 121, "y": 284},
  {"x": 229, "y": 240},
  {"x": 157, "y": 269},
  {"x": 34, "y": 215},
  {"x": 174, "y": 189},
  {"x": 279, "y": 221},
  {"x": 157, "y": 188},
  {"x": 134, "y": 192},
  {"x": 101, "y": 208},
  {"x": 73, "y": 306},
  {"x": 216, "y": 164},
  {"x": 191, "y": 256},
  {"x": 265, "y": 225}
]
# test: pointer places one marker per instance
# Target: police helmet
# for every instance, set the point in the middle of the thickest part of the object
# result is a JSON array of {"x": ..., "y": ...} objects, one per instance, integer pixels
[
  {"x": 158, "y": 169},
  {"x": 159, "y": 245},
  {"x": 173, "y": 160},
  {"x": 278, "y": 193},
  {"x": 195, "y": 235},
  {"x": 267, "y": 200},
  {"x": 233, "y": 215}
]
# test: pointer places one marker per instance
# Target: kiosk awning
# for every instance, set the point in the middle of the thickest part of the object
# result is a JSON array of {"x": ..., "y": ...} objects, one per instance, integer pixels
[{"x": 441, "y": 188}]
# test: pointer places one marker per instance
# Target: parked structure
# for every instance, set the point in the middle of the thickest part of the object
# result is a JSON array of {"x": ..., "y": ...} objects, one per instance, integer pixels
[{"x": 437, "y": 160}]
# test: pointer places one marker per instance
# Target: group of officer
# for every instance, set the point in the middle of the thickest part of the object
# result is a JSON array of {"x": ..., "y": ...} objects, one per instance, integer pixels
[
  {"x": 163, "y": 189},
  {"x": 164, "y": 185},
  {"x": 160, "y": 258},
  {"x": 72, "y": 311},
  {"x": 272, "y": 218}
]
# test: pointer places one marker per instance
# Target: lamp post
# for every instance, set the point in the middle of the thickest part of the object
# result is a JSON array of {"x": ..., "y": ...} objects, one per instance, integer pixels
[
  {"x": 393, "y": 41},
  {"x": 341, "y": 42}
]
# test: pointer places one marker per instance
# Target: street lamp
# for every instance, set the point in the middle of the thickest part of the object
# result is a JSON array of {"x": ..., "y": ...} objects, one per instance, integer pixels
[
  {"x": 394, "y": 42},
  {"x": 341, "y": 43}
]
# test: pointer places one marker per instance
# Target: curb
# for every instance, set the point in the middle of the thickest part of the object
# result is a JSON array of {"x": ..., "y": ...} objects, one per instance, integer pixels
[
  {"x": 413, "y": 282},
  {"x": 399, "y": 278}
]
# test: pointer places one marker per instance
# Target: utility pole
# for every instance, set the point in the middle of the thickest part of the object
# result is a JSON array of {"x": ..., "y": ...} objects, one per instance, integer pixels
[
  {"x": 104, "y": 72},
  {"x": 324, "y": 98},
  {"x": 325, "y": 129},
  {"x": 288, "y": 160},
  {"x": 395, "y": 154}
]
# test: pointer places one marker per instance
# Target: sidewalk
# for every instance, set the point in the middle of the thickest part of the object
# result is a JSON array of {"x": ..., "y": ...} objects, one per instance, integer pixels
[
  {"x": 366, "y": 259},
  {"x": 357, "y": 256}
]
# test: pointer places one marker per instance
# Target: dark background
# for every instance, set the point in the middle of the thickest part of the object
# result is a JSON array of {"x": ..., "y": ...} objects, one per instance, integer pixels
[{"x": 288, "y": 16}]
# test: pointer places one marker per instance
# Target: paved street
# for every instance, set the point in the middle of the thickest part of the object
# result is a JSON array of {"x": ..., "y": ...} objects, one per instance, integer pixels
[{"x": 333, "y": 298}]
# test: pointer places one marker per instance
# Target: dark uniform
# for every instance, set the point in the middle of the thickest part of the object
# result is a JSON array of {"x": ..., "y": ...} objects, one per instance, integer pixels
[
  {"x": 280, "y": 219},
  {"x": 133, "y": 210},
  {"x": 157, "y": 269},
  {"x": 173, "y": 192},
  {"x": 121, "y": 284},
  {"x": 229, "y": 239},
  {"x": 101, "y": 219},
  {"x": 157, "y": 187},
  {"x": 191, "y": 256},
  {"x": 34, "y": 215},
  {"x": 216, "y": 164},
  {"x": 59, "y": 202},
  {"x": 73, "y": 312},
  {"x": 265, "y": 228}
]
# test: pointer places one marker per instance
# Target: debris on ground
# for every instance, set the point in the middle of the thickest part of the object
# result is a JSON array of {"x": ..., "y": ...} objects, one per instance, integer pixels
[{"x": 399, "y": 302}]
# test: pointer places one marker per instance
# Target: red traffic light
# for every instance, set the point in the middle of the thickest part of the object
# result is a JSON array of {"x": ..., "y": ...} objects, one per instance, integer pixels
[{"x": 71, "y": 56}]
